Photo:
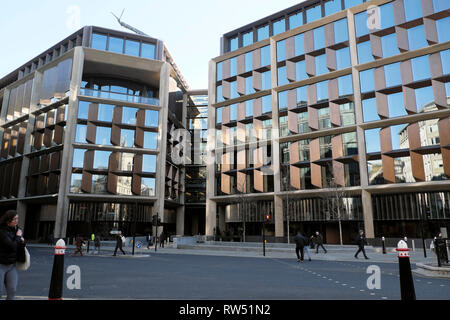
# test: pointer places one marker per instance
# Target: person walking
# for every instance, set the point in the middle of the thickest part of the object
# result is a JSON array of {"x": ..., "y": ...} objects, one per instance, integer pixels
[
  {"x": 11, "y": 244},
  {"x": 119, "y": 243},
  {"x": 97, "y": 244},
  {"x": 299, "y": 245},
  {"x": 162, "y": 239},
  {"x": 319, "y": 242},
  {"x": 307, "y": 244},
  {"x": 79, "y": 246},
  {"x": 361, "y": 241},
  {"x": 149, "y": 241}
]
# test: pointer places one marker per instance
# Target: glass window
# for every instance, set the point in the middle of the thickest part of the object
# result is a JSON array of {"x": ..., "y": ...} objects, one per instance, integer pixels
[
  {"x": 296, "y": 20},
  {"x": 265, "y": 56},
  {"x": 392, "y": 75},
  {"x": 105, "y": 112},
  {"x": 321, "y": 65},
  {"x": 322, "y": 91},
  {"x": 99, "y": 184},
  {"x": 413, "y": 10},
  {"x": 115, "y": 45},
  {"x": 367, "y": 81},
  {"x": 420, "y": 68},
  {"x": 148, "y": 187},
  {"x": 247, "y": 38},
  {"x": 220, "y": 97},
  {"x": 249, "y": 108},
  {"x": 266, "y": 104},
  {"x": 395, "y": 105},
  {"x": 248, "y": 61},
  {"x": 396, "y": 135},
  {"x": 233, "y": 90},
  {"x": 279, "y": 27},
  {"x": 302, "y": 96},
  {"x": 351, "y": 3},
  {"x": 343, "y": 58},
  {"x": 300, "y": 71},
  {"x": 129, "y": 115},
  {"x": 78, "y": 158},
  {"x": 440, "y": 5},
  {"x": 83, "y": 109},
  {"x": 151, "y": 140},
  {"x": 281, "y": 51},
  {"x": 445, "y": 58},
  {"x": 80, "y": 134},
  {"x": 233, "y": 112},
  {"x": 263, "y": 33},
  {"x": 324, "y": 118},
  {"x": 151, "y": 118},
  {"x": 370, "y": 112},
  {"x": 126, "y": 138},
  {"x": 266, "y": 80},
  {"x": 148, "y": 51},
  {"x": 340, "y": 31},
  {"x": 98, "y": 41},
  {"x": 282, "y": 100},
  {"x": 233, "y": 43},
  {"x": 101, "y": 159},
  {"x": 423, "y": 97},
  {"x": 75, "y": 183},
  {"x": 386, "y": 15},
  {"x": 373, "y": 140},
  {"x": 233, "y": 67},
  {"x": 299, "y": 43},
  {"x": 124, "y": 185},
  {"x": 442, "y": 27},
  {"x": 132, "y": 48},
  {"x": 332, "y": 6},
  {"x": 219, "y": 115},
  {"x": 148, "y": 163},
  {"x": 282, "y": 76},
  {"x": 389, "y": 45},
  {"x": 313, "y": 13},
  {"x": 103, "y": 136},
  {"x": 345, "y": 85},
  {"x": 417, "y": 38},
  {"x": 219, "y": 71},
  {"x": 361, "y": 24},
  {"x": 364, "y": 52},
  {"x": 319, "y": 38},
  {"x": 249, "y": 85}
]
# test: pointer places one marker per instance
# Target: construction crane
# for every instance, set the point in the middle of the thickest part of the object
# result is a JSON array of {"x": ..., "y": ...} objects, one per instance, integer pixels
[{"x": 166, "y": 53}]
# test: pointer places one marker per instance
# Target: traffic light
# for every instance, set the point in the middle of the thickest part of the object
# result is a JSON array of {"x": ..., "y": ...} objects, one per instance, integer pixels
[
  {"x": 268, "y": 217},
  {"x": 156, "y": 221}
]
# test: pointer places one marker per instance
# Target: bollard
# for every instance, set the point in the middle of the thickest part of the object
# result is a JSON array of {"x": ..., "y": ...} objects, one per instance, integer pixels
[
  {"x": 406, "y": 279},
  {"x": 56, "y": 283},
  {"x": 383, "y": 244}
]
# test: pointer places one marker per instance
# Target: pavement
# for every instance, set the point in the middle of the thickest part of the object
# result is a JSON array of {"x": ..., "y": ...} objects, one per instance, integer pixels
[{"x": 255, "y": 250}]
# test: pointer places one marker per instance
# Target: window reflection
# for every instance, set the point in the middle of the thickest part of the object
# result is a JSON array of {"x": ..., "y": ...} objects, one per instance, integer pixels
[
  {"x": 417, "y": 38},
  {"x": 75, "y": 183},
  {"x": 132, "y": 48},
  {"x": 151, "y": 118},
  {"x": 148, "y": 51},
  {"x": 80, "y": 135},
  {"x": 340, "y": 31},
  {"x": 392, "y": 75},
  {"x": 296, "y": 20},
  {"x": 148, "y": 187},
  {"x": 442, "y": 26},
  {"x": 78, "y": 158},
  {"x": 127, "y": 138},
  {"x": 99, "y": 184},
  {"x": 129, "y": 115},
  {"x": 420, "y": 68},
  {"x": 263, "y": 33},
  {"x": 105, "y": 112},
  {"x": 115, "y": 45},
  {"x": 83, "y": 110},
  {"x": 389, "y": 45},
  {"x": 313, "y": 13},
  {"x": 149, "y": 163},
  {"x": 300, "y": 70},
  {"x": 370, "y": 110},
  {"x": 279, "y": 27},
  {"x": 98, "y": 41},
  {"x": 395, "y": 105},
  {"x": 124, "y": 186},
  {"x": 101, "y": 160},
  {"x": 247, "y": 38},
  {"x": 332, "y": 6},
  {"x": 364, "y": 52},
  {"x": 151, "y": 140},
  {"x": 372, "y": 140},
  {"x": 367, "y": 81},
  {"x": 103, "y": 136}
]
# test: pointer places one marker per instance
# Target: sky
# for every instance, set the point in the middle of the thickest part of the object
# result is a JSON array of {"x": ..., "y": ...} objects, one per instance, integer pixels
[{"x": 191, "y": 29}]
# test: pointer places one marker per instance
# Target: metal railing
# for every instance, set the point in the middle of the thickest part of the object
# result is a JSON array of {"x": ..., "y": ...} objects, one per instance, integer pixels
[{"x": 119, "y": 96}]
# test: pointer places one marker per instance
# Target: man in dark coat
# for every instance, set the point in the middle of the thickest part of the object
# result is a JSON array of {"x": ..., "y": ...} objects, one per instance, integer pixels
[
  {"x": 162, "y": 239},
  {"x": 79, "y": 246},
  {"x": 299, "y": 246},
  {"x": 119, "y": 243},
  {"x": 361, "y": 241},
  {"x": 319, "y": 242}
]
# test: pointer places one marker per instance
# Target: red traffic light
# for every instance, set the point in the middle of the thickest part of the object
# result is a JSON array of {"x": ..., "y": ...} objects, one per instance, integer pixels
[{"x": 267, "y": 217}]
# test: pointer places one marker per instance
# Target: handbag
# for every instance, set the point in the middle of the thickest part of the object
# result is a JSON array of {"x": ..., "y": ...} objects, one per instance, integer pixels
[{"x": 24, "y": 265}]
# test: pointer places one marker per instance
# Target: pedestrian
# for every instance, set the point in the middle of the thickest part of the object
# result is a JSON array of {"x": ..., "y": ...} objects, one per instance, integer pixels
[
  {"x": 79, "y": 242},
  {"x": 307, "y": 244},
  {"x": 162, "y": 239},
  {"x": 149, "y": 241},
  {"x": 119, "y": 243},
  {"x": 361, "y": 241},
  {"x": 319, "y": 242},
  {"x": 11, "y": 245},
  {"x": 299, "y": 245},
  {"x": 97, "y": 244}
]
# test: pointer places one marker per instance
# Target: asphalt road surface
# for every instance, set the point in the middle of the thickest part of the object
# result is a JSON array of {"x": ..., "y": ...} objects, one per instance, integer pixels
[{"x": 160, "y": 276}]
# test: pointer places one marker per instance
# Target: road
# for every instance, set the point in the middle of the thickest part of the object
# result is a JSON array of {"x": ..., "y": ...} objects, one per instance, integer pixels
[{"x": 160, "y": 276}]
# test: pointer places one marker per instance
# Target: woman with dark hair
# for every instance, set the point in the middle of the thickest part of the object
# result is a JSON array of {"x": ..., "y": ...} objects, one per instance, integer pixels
[{"x": 11, "y": 242}]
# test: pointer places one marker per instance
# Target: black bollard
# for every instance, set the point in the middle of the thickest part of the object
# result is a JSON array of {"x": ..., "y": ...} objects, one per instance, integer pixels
[
  {"x": 56, "y": 283},
  {"x": 406, "y": 279},
  {"x": 383, "y": 244}
]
